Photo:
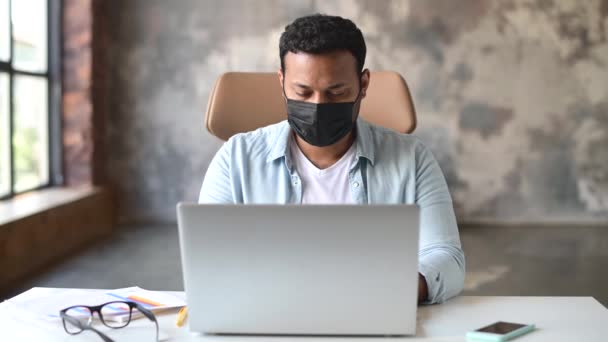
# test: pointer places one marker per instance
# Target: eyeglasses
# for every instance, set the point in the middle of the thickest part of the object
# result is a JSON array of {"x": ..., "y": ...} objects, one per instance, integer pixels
[{"x": 79, "y": 318}]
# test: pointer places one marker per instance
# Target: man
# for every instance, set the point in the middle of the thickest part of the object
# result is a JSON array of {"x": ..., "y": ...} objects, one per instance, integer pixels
[{"x": 325, "y": 154}]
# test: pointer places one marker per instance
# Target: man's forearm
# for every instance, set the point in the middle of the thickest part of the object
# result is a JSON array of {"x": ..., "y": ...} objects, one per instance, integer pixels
[{"x": 423, "y": 291}]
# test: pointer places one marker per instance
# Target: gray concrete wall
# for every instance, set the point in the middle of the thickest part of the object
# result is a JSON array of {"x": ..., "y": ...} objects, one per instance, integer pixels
[{"x": 512, "y": 96}]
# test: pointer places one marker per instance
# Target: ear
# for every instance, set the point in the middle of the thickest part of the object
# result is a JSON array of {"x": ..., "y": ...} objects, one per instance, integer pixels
[
  {"x": 281, "y": 78},
  {"x": 365, "y": 77}
]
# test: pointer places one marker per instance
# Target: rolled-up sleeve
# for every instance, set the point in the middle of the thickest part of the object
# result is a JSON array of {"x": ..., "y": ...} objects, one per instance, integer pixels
[{"x": 441, "y": 259}]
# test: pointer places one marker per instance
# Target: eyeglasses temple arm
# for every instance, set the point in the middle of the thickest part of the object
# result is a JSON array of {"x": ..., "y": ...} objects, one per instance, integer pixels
[
  {"x": 102, "y": 335},
  {"x": 148, "y": 314}
]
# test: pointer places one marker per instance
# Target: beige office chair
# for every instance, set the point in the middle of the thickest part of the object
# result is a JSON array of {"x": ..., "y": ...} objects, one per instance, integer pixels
[{"x": 245, "y": 101}]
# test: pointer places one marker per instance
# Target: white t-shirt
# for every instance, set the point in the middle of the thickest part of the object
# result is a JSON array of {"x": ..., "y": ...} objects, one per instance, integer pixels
[{"x": 323, "y": 186}]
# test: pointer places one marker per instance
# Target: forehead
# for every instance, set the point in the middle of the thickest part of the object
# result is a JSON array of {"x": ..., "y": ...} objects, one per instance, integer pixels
[{"x": 320, "y": 68}]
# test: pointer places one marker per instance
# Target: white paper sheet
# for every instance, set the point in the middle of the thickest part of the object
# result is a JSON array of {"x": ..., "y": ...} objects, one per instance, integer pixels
[{"x": 49, "y": 305}]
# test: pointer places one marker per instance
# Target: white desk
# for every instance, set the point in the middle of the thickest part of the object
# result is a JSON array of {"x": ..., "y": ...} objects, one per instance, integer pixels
[{"x": 557, "y": 319}]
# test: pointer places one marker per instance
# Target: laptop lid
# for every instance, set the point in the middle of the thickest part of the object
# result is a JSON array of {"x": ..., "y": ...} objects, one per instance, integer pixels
[{"x": 304, "y": 270}]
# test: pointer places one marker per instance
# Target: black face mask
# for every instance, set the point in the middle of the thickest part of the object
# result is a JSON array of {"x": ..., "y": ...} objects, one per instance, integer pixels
[{"x": 321, "y": 124}]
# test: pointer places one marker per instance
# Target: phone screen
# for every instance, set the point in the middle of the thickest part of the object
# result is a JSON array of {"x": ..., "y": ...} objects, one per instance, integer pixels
[{"x": 501, "y": 328}]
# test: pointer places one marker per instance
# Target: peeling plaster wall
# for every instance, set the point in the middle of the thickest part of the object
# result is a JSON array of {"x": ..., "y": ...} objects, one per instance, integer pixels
[{"x": 512, "y": 96}]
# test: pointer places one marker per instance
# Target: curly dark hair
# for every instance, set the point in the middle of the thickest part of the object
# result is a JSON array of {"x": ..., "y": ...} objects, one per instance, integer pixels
[{"x": 321, "y": 33}]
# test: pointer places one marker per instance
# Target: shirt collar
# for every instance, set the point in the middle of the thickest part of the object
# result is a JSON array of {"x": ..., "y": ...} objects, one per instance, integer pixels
[
  {"x": 363, "y": 142},
  {"x": 281, "y": 143}
]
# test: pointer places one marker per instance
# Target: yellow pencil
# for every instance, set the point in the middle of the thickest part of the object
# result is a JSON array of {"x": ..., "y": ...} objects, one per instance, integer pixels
[{"x": 181, "y": 316}]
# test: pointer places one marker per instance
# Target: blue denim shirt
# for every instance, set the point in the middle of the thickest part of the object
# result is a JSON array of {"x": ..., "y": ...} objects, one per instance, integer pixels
[{"x": 390, "y": 168}]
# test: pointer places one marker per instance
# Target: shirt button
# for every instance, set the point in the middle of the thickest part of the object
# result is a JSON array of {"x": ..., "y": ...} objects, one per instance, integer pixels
[{"x": 356, "y": 184}]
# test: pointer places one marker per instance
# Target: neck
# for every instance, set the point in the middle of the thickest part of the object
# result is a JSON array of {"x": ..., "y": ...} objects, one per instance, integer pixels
[{"x": 326, "y": 156}]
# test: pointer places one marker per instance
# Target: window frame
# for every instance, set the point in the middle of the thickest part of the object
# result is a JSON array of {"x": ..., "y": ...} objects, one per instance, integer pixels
[{"x": 54, "y": 94}]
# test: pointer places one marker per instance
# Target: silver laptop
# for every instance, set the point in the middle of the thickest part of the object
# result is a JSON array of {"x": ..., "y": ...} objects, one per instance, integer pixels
[{"x": 300, "y": 269}]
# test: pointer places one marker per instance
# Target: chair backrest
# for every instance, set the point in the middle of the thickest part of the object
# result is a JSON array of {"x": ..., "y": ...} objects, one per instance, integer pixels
[{"x": 245, "y": 101}]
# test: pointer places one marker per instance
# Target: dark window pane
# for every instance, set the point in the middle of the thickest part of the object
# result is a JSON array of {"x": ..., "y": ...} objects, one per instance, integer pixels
[
  {"x": 4, "y": 31},
  {"x": 5, "y": 167},
  {"x": 30, "y": 136},
  {"x": 29, "y": 34}
]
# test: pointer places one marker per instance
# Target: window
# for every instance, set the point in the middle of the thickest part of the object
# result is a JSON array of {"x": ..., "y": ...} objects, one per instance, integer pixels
[{"x": 29, "y": 100}]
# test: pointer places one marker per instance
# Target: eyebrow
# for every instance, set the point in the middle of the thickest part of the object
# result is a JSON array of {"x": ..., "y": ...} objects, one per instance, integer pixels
[{"x": 333, "y": 86}]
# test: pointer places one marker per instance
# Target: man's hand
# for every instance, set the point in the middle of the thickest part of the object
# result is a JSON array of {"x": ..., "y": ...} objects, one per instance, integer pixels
[{"x": 423, "y": 291}]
